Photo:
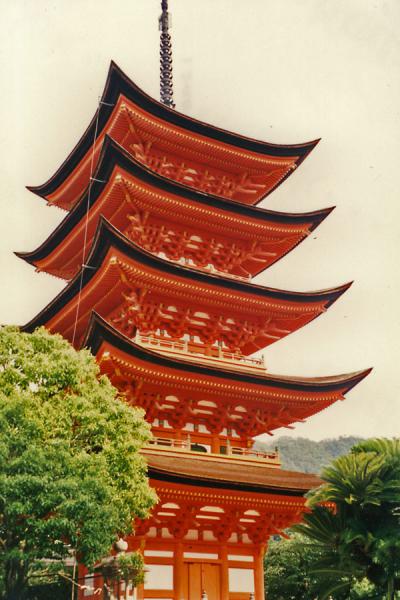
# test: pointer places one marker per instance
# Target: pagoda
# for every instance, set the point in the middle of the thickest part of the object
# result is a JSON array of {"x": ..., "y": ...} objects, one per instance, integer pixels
[{"x": 160, "y": 242}]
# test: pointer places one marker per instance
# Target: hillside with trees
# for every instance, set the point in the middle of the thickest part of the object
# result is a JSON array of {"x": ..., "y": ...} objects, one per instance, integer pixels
[{"x": 301, "y": 454}]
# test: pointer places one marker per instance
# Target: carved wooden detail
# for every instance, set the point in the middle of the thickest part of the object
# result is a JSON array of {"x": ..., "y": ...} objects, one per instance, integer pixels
[
  {"x": 179, "y": 516},
  {"x": 179, "y": 408},
  {"x": 184, "y": 156},
  {"x": 202, "y": 250},
  {"x": 179, "y": 231},
  {"x": 139, "y": 311},
  {"x": 164, "y": 156}
]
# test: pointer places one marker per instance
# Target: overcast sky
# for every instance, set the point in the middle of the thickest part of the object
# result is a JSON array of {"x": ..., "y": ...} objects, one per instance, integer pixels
[{"x": 281, "y": 71}]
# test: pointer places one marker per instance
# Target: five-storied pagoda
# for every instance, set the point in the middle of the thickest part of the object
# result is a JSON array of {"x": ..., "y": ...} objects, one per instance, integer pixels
[{"x": 159, "y": 246}]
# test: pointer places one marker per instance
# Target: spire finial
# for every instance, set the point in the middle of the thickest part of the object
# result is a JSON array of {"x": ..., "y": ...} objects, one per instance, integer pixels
[{"x": 166, "y": 90}]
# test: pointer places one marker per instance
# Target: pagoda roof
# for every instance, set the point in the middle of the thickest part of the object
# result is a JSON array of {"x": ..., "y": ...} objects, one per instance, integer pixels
[
  {"x": 100, "y": 331},
  {"x": 206, "y": 493},
  {"x": 206, "y": 144},
  {"x": 116, "y": 267},
  {"x": 218, "y": 473},
  {"x": 270, "y": 401},
  {"x": 117, "y": 171}
]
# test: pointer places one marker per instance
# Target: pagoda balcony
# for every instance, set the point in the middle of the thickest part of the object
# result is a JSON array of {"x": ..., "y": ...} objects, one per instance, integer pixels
[
  {"x": 185, "y": 446},
  {"x": 196, "y": 351}
]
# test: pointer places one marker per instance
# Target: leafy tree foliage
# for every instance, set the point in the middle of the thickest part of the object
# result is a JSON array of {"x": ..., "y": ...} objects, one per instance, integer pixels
[
  {"x": 288, "y": 569},
  {"x": 290, "y": 573},
  {"x": 51, "y": 589},
  {"x": 71, "y": 476},
  {"x": 360, "y": 538}
]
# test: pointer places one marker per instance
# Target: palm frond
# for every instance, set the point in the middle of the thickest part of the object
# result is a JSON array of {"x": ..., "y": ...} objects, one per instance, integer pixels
[{"x": 336, "y": 587}]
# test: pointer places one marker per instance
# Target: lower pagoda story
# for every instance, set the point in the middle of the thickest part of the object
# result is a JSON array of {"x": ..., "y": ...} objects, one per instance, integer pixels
[
  {"x": 219, "y": 499},
  {"x": 208, "y": 532}
]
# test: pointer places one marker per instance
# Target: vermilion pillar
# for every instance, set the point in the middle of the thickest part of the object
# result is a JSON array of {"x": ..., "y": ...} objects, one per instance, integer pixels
[
  {"x": 223, "y": 554},
  {"x": 259, "y": 572},
  {"x": 140, "y": 549},
  {"x": 178, "y": 572}
]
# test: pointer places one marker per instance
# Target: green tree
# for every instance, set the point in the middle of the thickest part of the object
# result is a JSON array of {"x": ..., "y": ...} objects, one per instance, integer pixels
[
  {"x": 71, "y": 476},
  {"x": 290, "y": 573},
  {"x": 359, "y": 534},
  {"x": 288, "y": 569}
]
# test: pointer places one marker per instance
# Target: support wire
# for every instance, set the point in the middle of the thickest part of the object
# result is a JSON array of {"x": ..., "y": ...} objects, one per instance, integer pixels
[{"x": 85, "y": 236}]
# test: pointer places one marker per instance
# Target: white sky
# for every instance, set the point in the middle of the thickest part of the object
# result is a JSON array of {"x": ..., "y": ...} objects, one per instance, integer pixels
[{"x": 285, "y": 72}]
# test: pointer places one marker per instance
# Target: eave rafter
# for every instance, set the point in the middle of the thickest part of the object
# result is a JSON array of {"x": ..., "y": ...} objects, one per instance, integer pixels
[
  {"x": 181, "y": 392},
  {"x": 204, "y": 230},
  {"x": 181, "y": 148},
  {"x": 229, "y": 520},
  {"x": 135, "y": 290},
  {"x": 196, "y": 495}
]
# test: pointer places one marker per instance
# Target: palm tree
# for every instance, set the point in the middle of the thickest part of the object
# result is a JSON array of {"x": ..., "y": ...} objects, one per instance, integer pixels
[{"x": 354, "y": 519}]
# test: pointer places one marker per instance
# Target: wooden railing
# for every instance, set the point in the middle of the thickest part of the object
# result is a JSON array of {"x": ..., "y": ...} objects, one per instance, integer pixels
[
  {"x": 188, "y": 445},
  {"x": 190, "y": 347}
]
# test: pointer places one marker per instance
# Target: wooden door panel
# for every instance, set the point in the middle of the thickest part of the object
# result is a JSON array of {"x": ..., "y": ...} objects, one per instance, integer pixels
[
  {"x": 211, "y": 581},
  {"x": 199, "y": 577},
  {"x": 194, "y": 581}
]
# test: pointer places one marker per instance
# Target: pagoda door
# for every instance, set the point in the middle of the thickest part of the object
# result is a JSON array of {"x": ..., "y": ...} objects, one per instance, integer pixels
[{"x": 203, "y": 577}]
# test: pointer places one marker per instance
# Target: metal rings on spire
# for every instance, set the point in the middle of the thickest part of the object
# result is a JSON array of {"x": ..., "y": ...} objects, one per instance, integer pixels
[{"x": 166, "y": 83}]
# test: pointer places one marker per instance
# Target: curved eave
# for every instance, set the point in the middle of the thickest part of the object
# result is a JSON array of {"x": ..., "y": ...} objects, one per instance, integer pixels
[
  {"x": 165, "y": 476},
  {"x": 119, "y": 84},
  {"x": 99, "y": 331},
  {"x": 113, "y": 155},
  {"x": 108, "y": 237},
  {"x": 199, "y": 472}
]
